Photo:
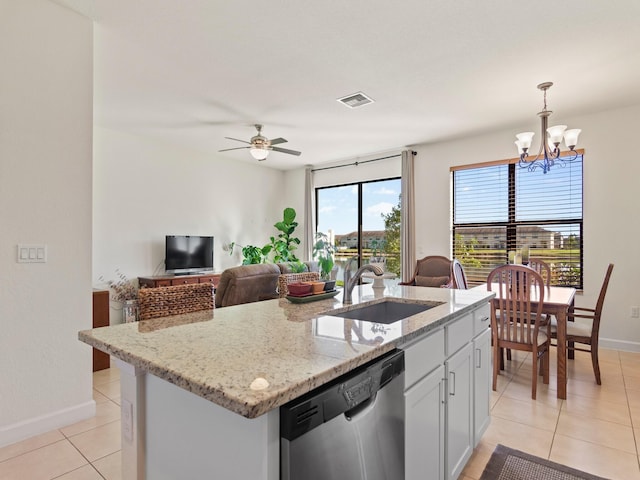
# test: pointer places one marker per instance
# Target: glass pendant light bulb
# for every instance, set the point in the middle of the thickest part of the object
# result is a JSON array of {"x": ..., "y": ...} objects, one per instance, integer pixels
[
  {"x": 555, "y": 133},
  {"x": 525, "y": 139},
  {"x": 571, "y": 137}
]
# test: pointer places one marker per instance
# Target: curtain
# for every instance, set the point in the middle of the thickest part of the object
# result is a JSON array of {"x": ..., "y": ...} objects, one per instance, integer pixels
[
  {"x": 308, "y": 213},
  {"x": 407, "y": 213}
]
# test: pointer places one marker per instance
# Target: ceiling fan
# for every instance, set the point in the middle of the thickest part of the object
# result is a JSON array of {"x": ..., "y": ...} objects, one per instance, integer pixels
[{"x": 260, "y": 146}]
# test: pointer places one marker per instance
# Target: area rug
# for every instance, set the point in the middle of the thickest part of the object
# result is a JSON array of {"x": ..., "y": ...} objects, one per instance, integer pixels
[{"x": 508, "y": 464}]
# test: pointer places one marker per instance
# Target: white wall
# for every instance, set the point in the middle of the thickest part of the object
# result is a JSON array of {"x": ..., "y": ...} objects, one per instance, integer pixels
[
  {"x": 611, "y": 225},
  {"x": 45, "y": 198},
  {"x": 144, "y": 190}
]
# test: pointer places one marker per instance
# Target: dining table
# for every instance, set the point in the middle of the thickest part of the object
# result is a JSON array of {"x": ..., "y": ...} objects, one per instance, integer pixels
[{"x": 557, "y": 301}]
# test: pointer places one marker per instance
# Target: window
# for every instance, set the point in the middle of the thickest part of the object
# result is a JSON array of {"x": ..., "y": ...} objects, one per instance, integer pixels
[
  {"x": 353, "y": 216},
  {"x": 517, "y": 207}
]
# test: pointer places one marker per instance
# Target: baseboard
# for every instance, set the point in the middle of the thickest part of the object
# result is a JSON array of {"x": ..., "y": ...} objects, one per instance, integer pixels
[
  {"x": 622, "y": 345},
  {"x": 35, "y": 426}
]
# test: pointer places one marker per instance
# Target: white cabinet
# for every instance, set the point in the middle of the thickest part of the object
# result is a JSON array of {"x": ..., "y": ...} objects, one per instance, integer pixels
[
  {"x": 442, "y": 420},
  {"x": 481, "y": 384},
  {"x": 459, "y": 433},
  {"x": 425, "y": 423}
]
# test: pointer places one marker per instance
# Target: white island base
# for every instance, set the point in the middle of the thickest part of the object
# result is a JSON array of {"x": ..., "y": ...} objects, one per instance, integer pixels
[{"x": 176, "y": 434}]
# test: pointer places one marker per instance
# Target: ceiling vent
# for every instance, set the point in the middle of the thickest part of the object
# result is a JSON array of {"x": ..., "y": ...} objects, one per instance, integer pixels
[{"x": 355, "y": 100}]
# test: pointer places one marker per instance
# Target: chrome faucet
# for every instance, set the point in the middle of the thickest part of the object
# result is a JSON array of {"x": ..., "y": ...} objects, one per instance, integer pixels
[{"x": 350, "y": 282}]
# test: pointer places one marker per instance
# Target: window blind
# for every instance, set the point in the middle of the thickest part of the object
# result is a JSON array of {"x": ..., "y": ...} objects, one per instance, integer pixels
[{"x": 500, "y": 208}]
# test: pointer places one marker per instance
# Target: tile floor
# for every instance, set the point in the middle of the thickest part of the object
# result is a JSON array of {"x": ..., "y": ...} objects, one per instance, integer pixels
[
  {"x": 87, "y": 450},
  {"x": 597, "y": 429}
]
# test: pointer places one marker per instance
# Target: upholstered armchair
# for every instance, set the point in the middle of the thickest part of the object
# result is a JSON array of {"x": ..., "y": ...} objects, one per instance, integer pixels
[{"x": 431, "y": 271}]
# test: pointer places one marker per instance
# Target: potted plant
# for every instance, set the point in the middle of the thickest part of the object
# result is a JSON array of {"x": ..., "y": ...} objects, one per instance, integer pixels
[
  {"x": 282, "y": 246},
  {"x": 124, "y": 291},
  {"x": 323, "y": 251},
  {"x": 285, "y": 243}
]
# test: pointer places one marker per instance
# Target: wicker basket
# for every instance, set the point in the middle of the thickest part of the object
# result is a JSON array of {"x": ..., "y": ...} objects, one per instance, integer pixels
[
  {"x": 175, "y": 300},
  {"x": 287, "y": 278}
]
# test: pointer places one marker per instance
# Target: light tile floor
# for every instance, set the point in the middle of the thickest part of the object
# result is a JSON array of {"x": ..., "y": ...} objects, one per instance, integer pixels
[
  {"x": 87, "y": 450},
  {"x": 597, "y": 429}
]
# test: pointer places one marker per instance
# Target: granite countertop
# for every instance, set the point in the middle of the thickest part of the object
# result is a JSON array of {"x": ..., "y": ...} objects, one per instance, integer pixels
[{"x": 254, "y": 357}]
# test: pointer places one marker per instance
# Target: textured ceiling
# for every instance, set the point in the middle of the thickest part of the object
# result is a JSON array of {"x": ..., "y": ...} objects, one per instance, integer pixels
[{"x": 193, "y": 72}]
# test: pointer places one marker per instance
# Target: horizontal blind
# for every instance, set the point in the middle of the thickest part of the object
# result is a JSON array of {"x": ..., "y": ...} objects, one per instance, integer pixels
[{"x": 500, "y": 208}]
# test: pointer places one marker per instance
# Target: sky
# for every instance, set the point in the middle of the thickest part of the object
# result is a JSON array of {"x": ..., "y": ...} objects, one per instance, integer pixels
[{"x": 338, "y": 206}]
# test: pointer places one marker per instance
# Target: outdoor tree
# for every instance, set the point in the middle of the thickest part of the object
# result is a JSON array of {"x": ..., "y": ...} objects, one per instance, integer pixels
[
  {"x": 465, "y": 251},
  {"x": 391, "y": 246}
]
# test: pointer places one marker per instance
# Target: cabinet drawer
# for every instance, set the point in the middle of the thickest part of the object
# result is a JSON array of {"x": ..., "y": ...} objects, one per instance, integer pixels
[
  {"x": 210, "y": 279},
  {"x": 162, "y": 283},
  {"x": 458, "y": 334},
  {"x": 422, "y": 356},
  {"x": 184, "y": 281},
  {"x": 481, "y": 319}
]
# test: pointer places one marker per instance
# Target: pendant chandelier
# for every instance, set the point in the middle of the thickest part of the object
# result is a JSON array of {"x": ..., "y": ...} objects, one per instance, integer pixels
[{"x": 549, "y": 153}]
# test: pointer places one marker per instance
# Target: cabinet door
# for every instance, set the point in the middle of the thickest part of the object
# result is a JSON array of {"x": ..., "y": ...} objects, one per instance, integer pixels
[
  {"x": 481, "y": 384},
  {"x": 459, "y": 441},
  {"x": 424, "y": 427}
]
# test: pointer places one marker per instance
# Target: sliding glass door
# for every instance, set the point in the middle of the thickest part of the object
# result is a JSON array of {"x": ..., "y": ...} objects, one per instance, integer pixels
[{"x": 362, "y": 219}]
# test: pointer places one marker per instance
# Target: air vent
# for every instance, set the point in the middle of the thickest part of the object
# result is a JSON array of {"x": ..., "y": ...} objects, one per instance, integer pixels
[{"x": 355, "y": 100}]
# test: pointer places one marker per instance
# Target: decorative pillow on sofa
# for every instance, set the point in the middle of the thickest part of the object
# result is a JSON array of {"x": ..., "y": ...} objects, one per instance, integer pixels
[{"x": 422, "y": 281}]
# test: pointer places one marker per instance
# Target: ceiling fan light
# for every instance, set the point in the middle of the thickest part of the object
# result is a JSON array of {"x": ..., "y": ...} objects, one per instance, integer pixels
[
  {"x": 571, "y": 137},
  {"x": 259, "y": 153}
]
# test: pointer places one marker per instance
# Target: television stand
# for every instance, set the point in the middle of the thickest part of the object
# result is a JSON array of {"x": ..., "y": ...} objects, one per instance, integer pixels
[{"x": 171, "y": 280}]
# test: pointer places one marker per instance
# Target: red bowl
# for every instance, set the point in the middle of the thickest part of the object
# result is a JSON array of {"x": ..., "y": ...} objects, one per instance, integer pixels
[{"x": 299, "y": 288}]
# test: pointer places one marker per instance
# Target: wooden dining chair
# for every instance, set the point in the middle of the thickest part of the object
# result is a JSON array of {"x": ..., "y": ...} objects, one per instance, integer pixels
[
  {"x": 543, "y": 268},
  {"x": 586, "y": 334},
  {"x": 458, "y": 277},
  {"x": 516, "y": 323}
]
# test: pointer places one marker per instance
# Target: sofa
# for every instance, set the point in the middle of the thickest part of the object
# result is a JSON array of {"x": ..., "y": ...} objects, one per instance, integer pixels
[{"x": 253, "y": 283}]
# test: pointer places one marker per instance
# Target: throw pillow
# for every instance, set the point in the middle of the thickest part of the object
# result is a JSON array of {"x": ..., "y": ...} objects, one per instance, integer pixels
[{"x": 422, "y": 281}]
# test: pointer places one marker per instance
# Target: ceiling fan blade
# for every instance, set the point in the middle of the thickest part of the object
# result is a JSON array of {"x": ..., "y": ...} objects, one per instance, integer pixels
[
  {"x": 237, "y": 148},
  {"x": 285, "y": 150},
  {"x": 277, "y": 141},
  {"x": 238, "y": 140}
]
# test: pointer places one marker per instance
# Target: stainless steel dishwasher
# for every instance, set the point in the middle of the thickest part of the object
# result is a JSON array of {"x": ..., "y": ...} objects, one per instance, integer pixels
[{"x": 350, "y": 429}]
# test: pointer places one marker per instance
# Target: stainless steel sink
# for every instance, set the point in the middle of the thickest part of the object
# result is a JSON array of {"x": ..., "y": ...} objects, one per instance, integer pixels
[{"x": 385, "y": 312}]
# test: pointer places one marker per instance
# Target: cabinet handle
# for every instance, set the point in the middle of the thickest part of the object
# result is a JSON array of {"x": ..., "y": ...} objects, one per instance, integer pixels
[
  {"x": 478, "y": 358},
  {"x": 452, "y": 383},
  {"x": 443, "y": 395},
  {"x": 484, "y": 319}
]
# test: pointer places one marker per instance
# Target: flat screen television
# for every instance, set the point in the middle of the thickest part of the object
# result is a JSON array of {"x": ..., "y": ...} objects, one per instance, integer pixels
[{"x": 186, "y": 254}]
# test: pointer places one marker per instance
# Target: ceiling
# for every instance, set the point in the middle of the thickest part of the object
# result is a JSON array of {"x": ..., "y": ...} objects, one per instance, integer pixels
[{"x": 193, "y": 72}]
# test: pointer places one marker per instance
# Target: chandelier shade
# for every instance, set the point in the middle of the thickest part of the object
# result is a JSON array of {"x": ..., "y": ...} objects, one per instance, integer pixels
[{"x": 552, "y": 137}]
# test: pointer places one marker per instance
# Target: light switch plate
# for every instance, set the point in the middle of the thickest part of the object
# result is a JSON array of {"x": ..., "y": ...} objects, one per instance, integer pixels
[{"x": 32, "y": 253}]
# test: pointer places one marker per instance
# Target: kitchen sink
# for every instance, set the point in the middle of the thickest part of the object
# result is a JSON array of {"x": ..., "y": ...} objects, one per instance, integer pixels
[{"x": 385, "y": 312}]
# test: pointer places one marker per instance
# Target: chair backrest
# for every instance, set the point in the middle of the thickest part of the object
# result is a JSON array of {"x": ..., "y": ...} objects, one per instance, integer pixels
[
  {"x": 598, "y": 310},
  {"x": 174, "y": 300},
  {"x": 287, "y": 278},
  {"x": 513, "y": 316},
  {"x": 543, "y": 268},
  {"x": 433, "y": 271},
  {"x": 458, "y": 276}
]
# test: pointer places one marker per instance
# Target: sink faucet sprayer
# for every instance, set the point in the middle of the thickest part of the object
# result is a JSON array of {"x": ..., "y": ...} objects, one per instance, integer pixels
[{"x": 350, "y": 282}]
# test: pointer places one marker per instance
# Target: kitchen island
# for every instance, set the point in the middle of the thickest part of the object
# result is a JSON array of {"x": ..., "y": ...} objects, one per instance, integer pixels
[{"x": 200, "y": 392}]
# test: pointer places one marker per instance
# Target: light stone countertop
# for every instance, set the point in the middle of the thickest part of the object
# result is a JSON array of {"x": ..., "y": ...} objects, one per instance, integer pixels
[{"x": 219, "y": 354}]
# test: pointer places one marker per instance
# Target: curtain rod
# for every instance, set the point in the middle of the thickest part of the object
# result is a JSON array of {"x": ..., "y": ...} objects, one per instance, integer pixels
[{"x": 358, "y": 163}]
